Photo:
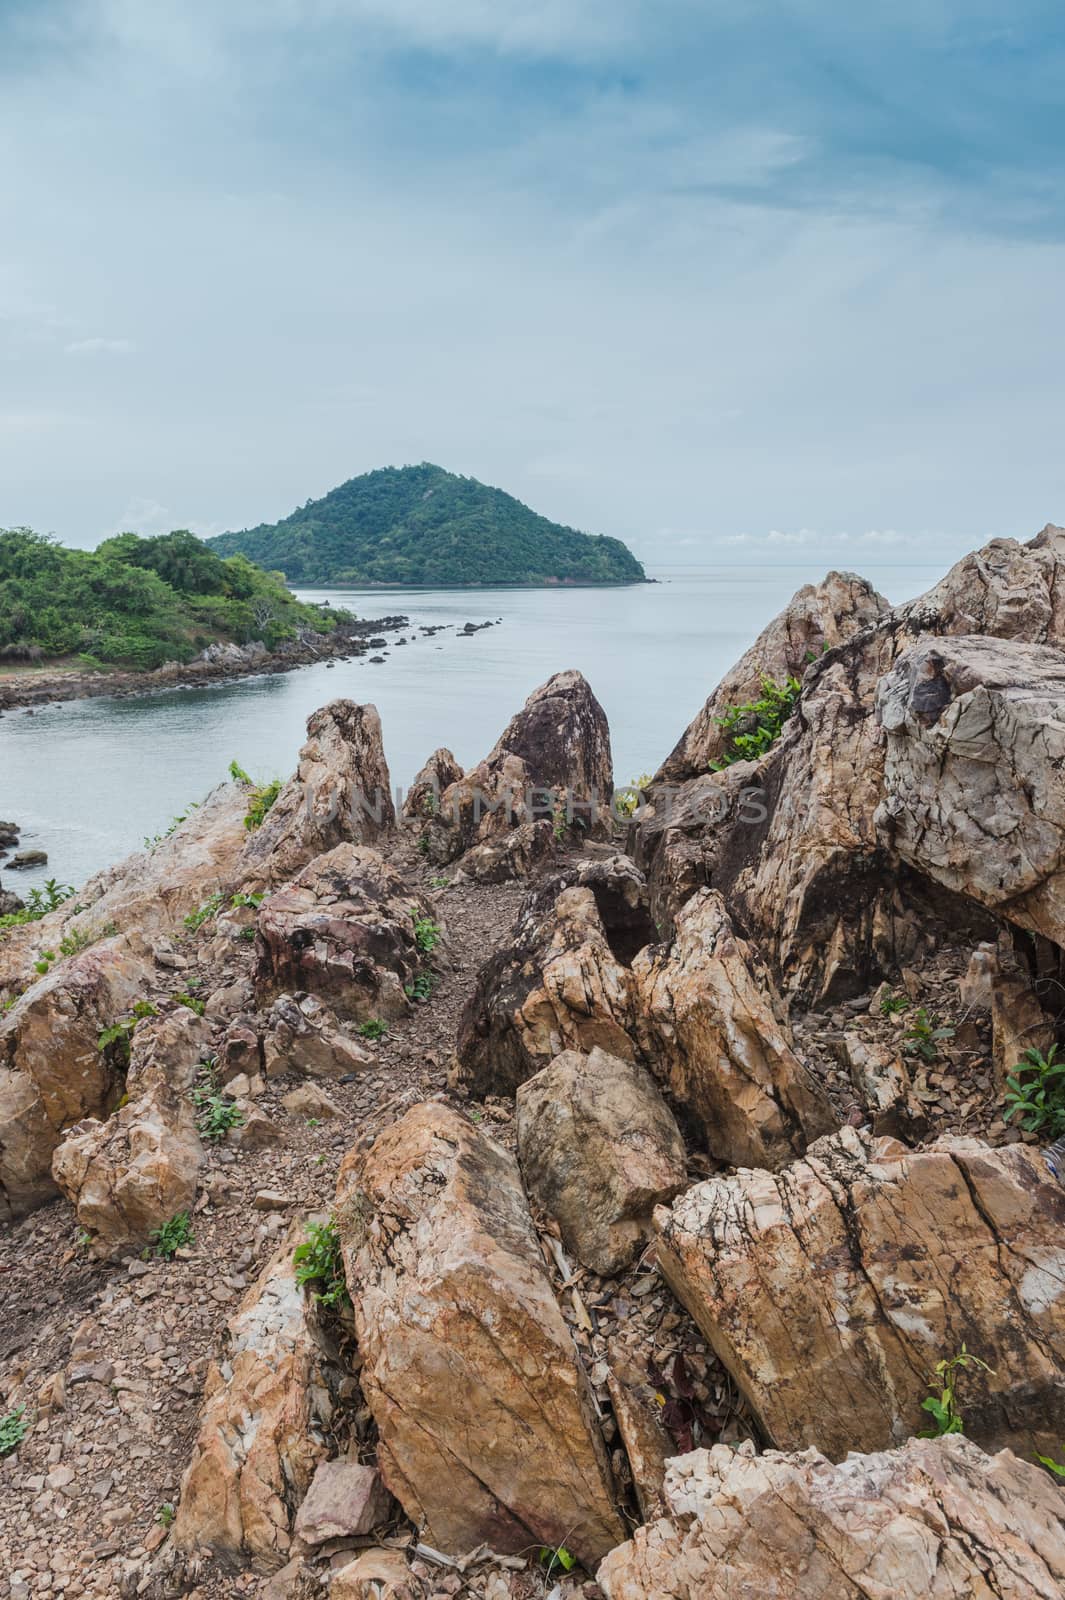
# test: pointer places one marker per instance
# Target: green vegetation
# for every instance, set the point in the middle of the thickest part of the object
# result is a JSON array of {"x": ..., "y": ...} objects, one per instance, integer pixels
[
  {"x": 942, "y": 1403},
  {"x": 924, "y": 1036},
  {"x": 138, "y": 603},
  {"x": 38, "y": 904},
  {"x": 557, "y": 1560},
  {"x": 114, "y": 1041},
  {"x": 427, "y": 933},
  {"x": 260, "y": 796},
  {"x": 166, "y": 1514},
  {"x": 750, "y": 729},
  {"x": 892, "y": 1004},
  {"x": 318, "y": 1261},
  {"x": 1056, "y": 1467},
  {"x": 217, "y": 1113},
  {"x": 204, "y": 913},
  {"x": 421, "y": 990},
  {"x": 374, "y": 1029},
  {"x": 439, "y": 883},
  {"x": 183, "y": 998},
  {"x": 422, "y": 525},
  {"x": 627, "y": 801},
  {"x": 165, "y": 1242},
  {"x": 13, "y": 1429},
  {"x": 1035, "y": 1093}
]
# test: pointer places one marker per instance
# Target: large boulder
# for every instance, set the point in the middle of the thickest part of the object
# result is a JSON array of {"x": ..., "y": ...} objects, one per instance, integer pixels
[
  {"x": 830, "y": 1290},
  {"x": 934, "y": 1520},
  {"x": 551, "y": 763},
  {"x": 341, "y": 793},
  {"x": 598, "y": 1149},
  {"x": 422, "y": 800},
  {"x": 267, "y": 1409},
  {"x": 972, "y": 788},
  {"x": 487, "y": 1428},
  {"x": 133, "y": 1172},
  {"x": 561, "y": 982},
  {"x": 344, "y": 931},
  {"x": 52, "y": 1069},
  {"x": 304, "y": 1037},
  {"x": 713, "y": 1027}
]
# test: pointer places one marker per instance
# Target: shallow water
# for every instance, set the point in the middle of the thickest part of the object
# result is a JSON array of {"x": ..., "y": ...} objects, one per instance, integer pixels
[{"x": 88, "y": 779}]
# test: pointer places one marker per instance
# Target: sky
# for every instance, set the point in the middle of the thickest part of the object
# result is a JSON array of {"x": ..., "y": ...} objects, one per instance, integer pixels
[{"x": 732, "y": 280}]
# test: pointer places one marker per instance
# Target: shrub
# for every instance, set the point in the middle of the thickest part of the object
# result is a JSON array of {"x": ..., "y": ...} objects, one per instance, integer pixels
[
  {"x": 1035, "y": 1093},
  {"x": 373, "y": 1029},
  {"x": 750, "y": 729},
  {"x": 942, "y": 1404},
  {"x": 427, "y": 934},
  {"x": 318, "y": 1261},
  {"x": 924, "y": 1036},
  {"x": 166, "y": 1241}
]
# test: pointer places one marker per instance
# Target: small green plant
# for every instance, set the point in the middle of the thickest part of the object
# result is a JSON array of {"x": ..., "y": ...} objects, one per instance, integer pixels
[
  {"x": 422, "y": 987},
  {"x": 153, "y": 839},
  {"x": 210, "y": 908},
  {"x": 166, "y": 1241},
  {"x": 751, "y": 728},
  {"x": 892, "y": 1004},
  {"x": 373, "y": 1029},
  {"x": 427, "y": 934},
  {"x": 627, "y": 801},
  {"x": 318, "y": 1262},
  {"x": 13, "y": 1429},
  {"x": 116, "y": 1038},
  {"x": 925, "y": 1035},
  {"x": 557, "y": 1560},
  {"x": 238, "y": 901},
  {"x": 183, "y": 998},
  {"x": 439, "y": 883},
  {"x": 39, "y": 902},
  {"x": 559, "y": 820},
  {"x": 247, "y": 935},
  {"x": 942, "y": 1404},
  {"x": 1056, "y": 1467},
  {"x": 261, "y": 796},
  {"x": 166, "y": 1514},
  {"x": 237, "y": 773},
  {"x": 423, "y": 844},
  {"x": 1035, "y": 1093},
  {"x": 217, "y": 1112},
  {"x": 74, "y": 942}
]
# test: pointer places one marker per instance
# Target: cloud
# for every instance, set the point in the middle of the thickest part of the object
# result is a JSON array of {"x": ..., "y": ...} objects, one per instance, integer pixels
[
  {"x": 99, "y": 347},
  {"x": 147, "y": 517}
]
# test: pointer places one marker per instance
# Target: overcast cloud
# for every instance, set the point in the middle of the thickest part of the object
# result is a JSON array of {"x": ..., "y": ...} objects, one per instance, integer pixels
[{"x": 729, "y": 280}]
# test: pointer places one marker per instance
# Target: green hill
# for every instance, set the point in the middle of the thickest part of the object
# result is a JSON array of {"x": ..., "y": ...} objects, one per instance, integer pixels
[{"x": 422, "y": 525}]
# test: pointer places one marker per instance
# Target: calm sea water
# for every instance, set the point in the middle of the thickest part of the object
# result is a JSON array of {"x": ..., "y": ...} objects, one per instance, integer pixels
[{"x": 88, "y": 779}]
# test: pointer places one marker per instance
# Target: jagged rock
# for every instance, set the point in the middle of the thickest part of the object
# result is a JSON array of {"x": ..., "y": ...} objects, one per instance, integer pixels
[
  {"x": 647, "y": 1445},
  {"x": 343, "y": 930},
  {"x": 487, "y": 1432},
  {"x": 819, "y": 617},
  {"x": 304, "y": 1036},
  {"x": 598, "y": 1149},
  {"x": 267, "y": 1407},
  {"x": 132, "y": 1173},
  {"x": 376, "y": 1574},
  {"x": 831, "y": 1289},
  {"x": 513, "y": 855},
  {"x": 345, "y": 1500},
  {"x": 975, "y": 740},
  {"x": 307, "y": 1100},
  {"x": 255, "y": 1130},
  {"x": 976, "y": 988},
  {"x": 711, "y": 1024},
  {"x": 562, "y": 983},
  {"x": 52, "y": 1071},
  {"x": 552, "y": 762},
  {"x": 934, "y": 1520},
  {"x": 9, "y": 902},
  {"x": 883, "y": 1086},
  {"x": 423, "y": 798},
  {"x": 240, "y": 1051},
  {"x": 1018, "y": 1024},
  {"x": 341, "y": 793}
]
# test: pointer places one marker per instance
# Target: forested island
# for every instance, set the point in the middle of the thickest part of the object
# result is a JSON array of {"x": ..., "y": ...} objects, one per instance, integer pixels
[
  {"x": 139, "y": 603},
  {"x": 423, "y": 526}
]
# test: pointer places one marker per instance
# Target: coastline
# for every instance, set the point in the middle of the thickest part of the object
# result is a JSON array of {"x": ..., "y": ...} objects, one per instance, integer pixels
[{"x": 36, "y": 686}]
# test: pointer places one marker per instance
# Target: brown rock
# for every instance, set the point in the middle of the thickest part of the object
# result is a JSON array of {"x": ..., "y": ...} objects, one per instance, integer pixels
[
  {"x": 305, "y": 1037},
  {"x": 344, "y": 1500},
  {"x": 831, "y": 1289},
  {"x": 423, "y": 798},
  {"x": 646, "y": 1443},
  {"x": 307, "y": 1100},
  {"x": 340, "y": 794},
  {"x": 882, "y": 1083},
  {"x": 598, "y": 1149},
  {"x": 255, "y": 1131},
  {"x": 934, "y": 1520},
  {"x": 375, "y": 1575},
  {"x": 265, "y": 1415},
  {"x": 1018, "y": 1023},
  {"x": 487, "y": 1433},
  {"x": 240, "y": 1052}
]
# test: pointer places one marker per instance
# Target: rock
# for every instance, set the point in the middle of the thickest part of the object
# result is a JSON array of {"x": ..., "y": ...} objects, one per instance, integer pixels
[
  {"x": 831, "y": 1289},
  {"x": 487, "y": 1431},
  {"x": 28, "y": 858},
  {"x": 423, "y": 798},
  {"x": 598, "y": 1149},
  {"x": 819, "y": 617},
  {"x": 271, "y": 1200},
  {"x": 552, "y": 762},
  {"x": 882, "y": 1083},
  {"x": 10, "y": 903},
  {"x": 646, "y": 1443},
  {"x": 255, "y": 1131},
  {"x": 240, "y": 1052},
  {"x": 516, "y": 854},
  {"x": 129, "y": 1175},
  {"x": 345, "y": 1500},
  {"x": 976, "y": 988},
  {"x": 52, "y": 1071},
  {"x": 304, "y": 1036},
  {"x": 266, "y": 1413},
  {"x": 934, "y": 1520},
  {"x": 307, "y": 1100},
  {"x": 374, "y": 1575},
  {"x": 343, "y": 930},
  {"x": 340, "y": 794},
  {"x": 561, "y": 983},
  {"x": 711, "y": 1024},
  {"x": 1018, "y": 1023}
]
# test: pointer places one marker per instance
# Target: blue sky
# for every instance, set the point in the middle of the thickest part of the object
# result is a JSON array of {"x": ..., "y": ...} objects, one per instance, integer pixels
[{"x": 727, "y": 280}]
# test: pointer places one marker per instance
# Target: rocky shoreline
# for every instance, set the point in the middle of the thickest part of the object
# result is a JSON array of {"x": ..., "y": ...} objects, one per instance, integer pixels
[{"x": 529, "y": 1207}]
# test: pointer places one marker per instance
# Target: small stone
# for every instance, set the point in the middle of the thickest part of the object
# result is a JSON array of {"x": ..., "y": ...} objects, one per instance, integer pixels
[
  {"x": 344, "y": 1500},
  {"x": 271, "y": 1200}
]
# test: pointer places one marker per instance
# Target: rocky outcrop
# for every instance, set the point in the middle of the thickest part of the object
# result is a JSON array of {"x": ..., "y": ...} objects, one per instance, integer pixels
[
  {"x": 344, "y": 931},
  {"x": 266, "y": 1410},
  {"x": 303, "y": 1036},
  {"x": 341, "y": 793},
  {"x": 52, "y": 1070},
  {"x": 934, "y": 1520},
  {"x": 561, "y": 982},
  {"x": 132, "y": 1173},
  {"x": 883, "y": 1085},
  {"x": 422, "y": 801},
  {"x": 831, "y": 1290},
  {"x": 487, "y": 1433},
  {"x": 817, "y": 618},
  {"x": 552, "y": 763},
  {"x": 711, "y": 1024},
  {"x": 972, "y": 794},
  {"x": 598, "y": 1149}
]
